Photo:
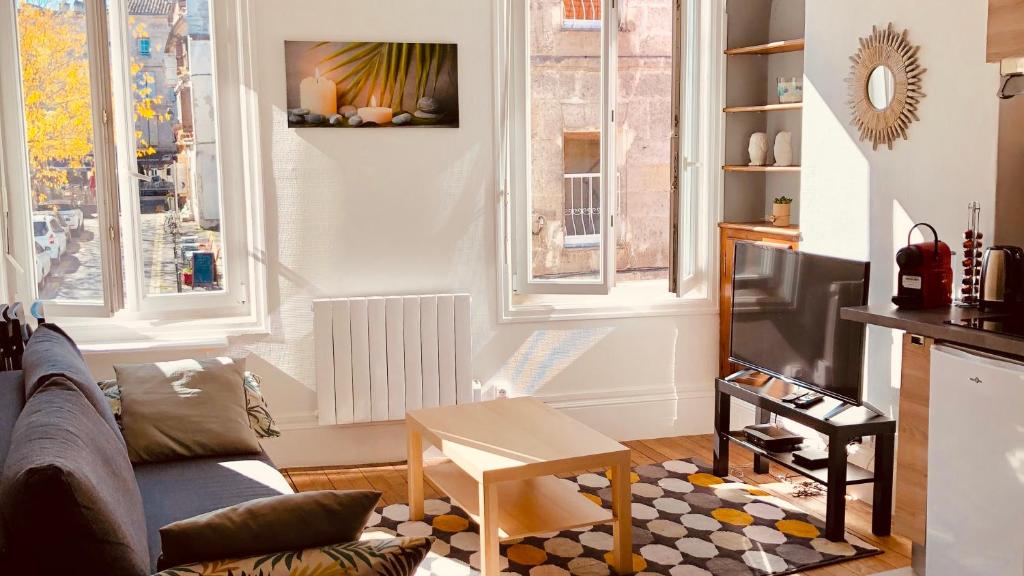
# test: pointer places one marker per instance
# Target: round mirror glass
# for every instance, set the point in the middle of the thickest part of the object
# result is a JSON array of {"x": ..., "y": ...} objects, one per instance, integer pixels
[{"x": 881, "y": 87}]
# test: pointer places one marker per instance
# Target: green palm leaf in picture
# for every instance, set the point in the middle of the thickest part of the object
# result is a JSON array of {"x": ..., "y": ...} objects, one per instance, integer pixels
[{"x": 359, "y": 84}]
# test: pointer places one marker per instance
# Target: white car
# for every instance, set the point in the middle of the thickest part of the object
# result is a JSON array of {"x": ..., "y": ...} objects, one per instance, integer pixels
[
  {"x": 50, "y": 235},
  {"x": 69, "y": 213},
  {"x": 43, "y": 263}
]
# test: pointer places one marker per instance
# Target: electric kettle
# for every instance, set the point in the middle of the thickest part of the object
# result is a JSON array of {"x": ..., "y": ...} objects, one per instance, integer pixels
[{"x": 1002, "y": 278}]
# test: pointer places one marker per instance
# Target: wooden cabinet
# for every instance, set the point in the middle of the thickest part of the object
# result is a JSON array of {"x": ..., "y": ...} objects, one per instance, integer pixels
[
  {"x": 731, "y": 233},
  {"x": 1005, "y": 29},
  {"x": 911, "y": 518}
]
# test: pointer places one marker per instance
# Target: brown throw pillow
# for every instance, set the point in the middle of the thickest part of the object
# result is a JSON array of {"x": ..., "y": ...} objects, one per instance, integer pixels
[
  {"x": 277, "y": 524},
  {"x": 184, "y": 409}
]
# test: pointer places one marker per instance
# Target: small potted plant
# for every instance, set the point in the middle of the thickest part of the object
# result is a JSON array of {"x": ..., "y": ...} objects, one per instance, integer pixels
[{"x": 781, "y": 210}]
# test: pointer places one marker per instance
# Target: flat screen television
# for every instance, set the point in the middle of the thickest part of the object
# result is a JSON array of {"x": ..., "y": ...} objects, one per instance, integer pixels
[{"x": 785, "y": 318}]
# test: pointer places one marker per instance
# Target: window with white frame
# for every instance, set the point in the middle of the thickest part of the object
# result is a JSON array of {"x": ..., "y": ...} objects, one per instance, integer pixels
[
  {"x": 128, "y": 123},
  {"x": 581, "y": 14},
  {"x": 603, "y": 165},
  {"x": 581, "y": 207}
]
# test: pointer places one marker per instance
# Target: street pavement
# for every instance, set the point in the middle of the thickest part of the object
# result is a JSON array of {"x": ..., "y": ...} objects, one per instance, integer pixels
[{"x": 78, "y": 275}]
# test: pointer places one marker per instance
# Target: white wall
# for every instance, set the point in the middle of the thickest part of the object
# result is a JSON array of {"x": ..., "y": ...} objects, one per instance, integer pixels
[
  {"x": 411, "y": 211},
  {"x": 860, "y": 203}
]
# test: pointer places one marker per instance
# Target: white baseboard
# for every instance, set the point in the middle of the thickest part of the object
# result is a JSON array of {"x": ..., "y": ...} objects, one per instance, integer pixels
[{"x": 625, "y": 414}]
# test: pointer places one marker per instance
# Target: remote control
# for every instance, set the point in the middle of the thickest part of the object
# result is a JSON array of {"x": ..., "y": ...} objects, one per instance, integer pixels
[
  {"x": 793, "y": 396},
  {"x": 808, "y": 400}
]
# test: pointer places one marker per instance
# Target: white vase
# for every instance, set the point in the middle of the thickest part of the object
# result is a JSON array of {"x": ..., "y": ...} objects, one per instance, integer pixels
[
  {"x": 758, "y": 149},
  {"x": 783, "y": 149}
]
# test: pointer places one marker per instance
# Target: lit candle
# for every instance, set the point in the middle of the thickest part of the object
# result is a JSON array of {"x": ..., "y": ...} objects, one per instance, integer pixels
[
  {"x": 318, "y": 95},
  {"x": 374, "y": 113}
]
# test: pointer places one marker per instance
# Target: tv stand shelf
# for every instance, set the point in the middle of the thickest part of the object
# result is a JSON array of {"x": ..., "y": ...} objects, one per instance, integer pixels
[
  {"x": 854, "y": 474},
  {"x": 766, "y": 394}
]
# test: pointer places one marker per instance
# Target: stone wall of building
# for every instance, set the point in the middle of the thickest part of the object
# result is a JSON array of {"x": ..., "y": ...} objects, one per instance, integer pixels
[{"x": 565, "y": 97}]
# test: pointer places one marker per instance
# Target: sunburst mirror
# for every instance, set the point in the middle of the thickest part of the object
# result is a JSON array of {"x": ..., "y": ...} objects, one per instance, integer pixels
[{"x": 885, "y": 86}]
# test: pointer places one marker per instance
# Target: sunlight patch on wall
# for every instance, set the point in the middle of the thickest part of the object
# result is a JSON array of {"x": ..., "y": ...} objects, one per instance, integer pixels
[
  {"x": 544, "y": 355},
  {"x": 835, "y": 180}
]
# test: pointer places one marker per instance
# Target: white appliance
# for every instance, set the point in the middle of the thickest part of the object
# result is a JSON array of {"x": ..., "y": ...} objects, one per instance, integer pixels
[{"x": 975, "y": 464}]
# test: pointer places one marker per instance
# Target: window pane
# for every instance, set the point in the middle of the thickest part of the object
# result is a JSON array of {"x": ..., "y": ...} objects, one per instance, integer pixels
[
  {"x": 54, "y": 63},
  {"x": 172, "y": 90},
  {"x": 643, "y": 111},
  {"x": 565, "y": 140}
]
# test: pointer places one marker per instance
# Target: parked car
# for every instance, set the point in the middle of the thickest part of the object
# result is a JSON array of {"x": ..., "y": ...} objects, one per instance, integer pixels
[
  {"x": 69, "y": 213},
  {"x": 43, "y": 263},
  {"x": 50, "y": 234}
]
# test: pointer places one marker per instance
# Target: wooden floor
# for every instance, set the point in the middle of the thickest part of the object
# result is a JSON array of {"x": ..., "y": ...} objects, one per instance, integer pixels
[{"x": 390, "y": 480}]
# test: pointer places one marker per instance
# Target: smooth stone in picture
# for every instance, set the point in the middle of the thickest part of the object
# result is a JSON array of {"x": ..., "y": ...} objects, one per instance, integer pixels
[
  {"x": 336, "y": 119},
  {"x": 403, "y": 118},
  {"x": 426, "y": 115},
  {"x": 299, "y": 111},
  {"x": 296, "y": 119},
  {"x": 428, "y": 104},
  {"x": 347, "y": 111},
  {"x": 315, "y": 118},
  {"x": 355, "y": 120}
]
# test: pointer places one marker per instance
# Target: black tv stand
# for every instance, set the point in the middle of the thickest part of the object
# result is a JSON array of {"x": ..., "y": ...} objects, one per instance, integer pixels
[
  {"x": 843, "y": 407},
  {"x": 840, "y": 422}
]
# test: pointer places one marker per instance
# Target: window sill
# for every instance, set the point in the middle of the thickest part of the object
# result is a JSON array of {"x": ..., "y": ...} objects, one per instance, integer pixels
[
  {"x": 627, "y": 300},
  {"x": 111, "y": 336}
]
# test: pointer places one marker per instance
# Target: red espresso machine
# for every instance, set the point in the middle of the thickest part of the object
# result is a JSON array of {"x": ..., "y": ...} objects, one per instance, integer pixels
[{"x": 926, "y": 273}]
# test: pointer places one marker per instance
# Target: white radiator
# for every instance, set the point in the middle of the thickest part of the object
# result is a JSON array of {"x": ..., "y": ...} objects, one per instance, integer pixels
[{"x": 380, "y": 356}]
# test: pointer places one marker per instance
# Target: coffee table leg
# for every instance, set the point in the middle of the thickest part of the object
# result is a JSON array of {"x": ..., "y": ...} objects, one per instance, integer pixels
[
  {"x": 490, "y": 548},
  {"x": 415, "y": 474},
  {"x": 622, "y": 507}
]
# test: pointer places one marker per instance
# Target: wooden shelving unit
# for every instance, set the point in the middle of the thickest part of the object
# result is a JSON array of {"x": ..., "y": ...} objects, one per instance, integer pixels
[
  {"x": 769, "y": 48},
  {"x": 743, "y": 168},
  {"x": 764, "y": 108},
  {"x": 773, "y": 31},
  {"x": 763, "y": 227}
]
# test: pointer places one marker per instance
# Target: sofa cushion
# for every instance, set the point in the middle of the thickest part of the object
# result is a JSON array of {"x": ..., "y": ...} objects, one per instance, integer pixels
[
  {"x": 68, "y": 491},
  {"x": 12, "y": 400},
  {"x": 260, "y": 420},
  {"x": 52, "y": 353},
  {"x": 268, "y": 525},
  {"x": 184, "y": 409},
  {"x": 173, "y": 491}
]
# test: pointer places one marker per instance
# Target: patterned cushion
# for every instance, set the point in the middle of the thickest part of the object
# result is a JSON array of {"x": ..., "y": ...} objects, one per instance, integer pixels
[
  {"x": 387, "y": 557},
  {"x": 113, "y": 395},
  {"x": 255, "y": 405}
]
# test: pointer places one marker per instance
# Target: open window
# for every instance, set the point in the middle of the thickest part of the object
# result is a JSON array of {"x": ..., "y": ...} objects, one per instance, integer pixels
[
  {"x": 581, "y": 204},
  {"x": 127, "y": 122},
  {"x": 601, "y": 144}
]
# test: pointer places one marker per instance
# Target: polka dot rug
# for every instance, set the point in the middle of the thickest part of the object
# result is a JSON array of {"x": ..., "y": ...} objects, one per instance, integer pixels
[{"x": 686, "y": 522}]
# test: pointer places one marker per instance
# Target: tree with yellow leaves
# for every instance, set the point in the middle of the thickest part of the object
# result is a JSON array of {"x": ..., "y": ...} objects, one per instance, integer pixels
[
  {"x": 57, "y": 96},
  {"x": 55, "y": 82}
]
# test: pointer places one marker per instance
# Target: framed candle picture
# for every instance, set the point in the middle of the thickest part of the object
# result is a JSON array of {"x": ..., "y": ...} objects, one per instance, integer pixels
[{"x": 372, "y": 84}]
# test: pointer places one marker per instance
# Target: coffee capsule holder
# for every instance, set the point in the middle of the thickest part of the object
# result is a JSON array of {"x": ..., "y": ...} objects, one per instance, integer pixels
[{"x": 970, "y": 285}]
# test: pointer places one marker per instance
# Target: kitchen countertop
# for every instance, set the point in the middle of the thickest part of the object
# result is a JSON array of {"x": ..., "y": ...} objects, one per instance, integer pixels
[{"x": 931, "y": 323}]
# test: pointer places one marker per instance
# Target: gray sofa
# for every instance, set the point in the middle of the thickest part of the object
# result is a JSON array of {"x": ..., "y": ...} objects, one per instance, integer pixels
[{"x": 170, "y": 491}]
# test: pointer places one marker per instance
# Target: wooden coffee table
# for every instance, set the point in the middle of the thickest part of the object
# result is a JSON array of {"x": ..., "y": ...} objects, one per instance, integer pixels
[{"x": 501, "y": 459}]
